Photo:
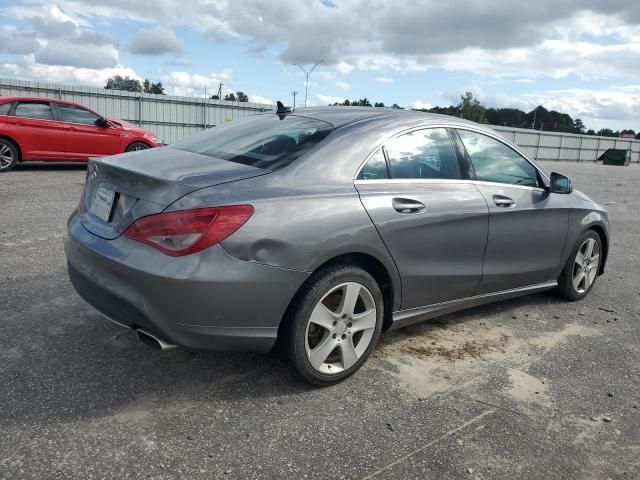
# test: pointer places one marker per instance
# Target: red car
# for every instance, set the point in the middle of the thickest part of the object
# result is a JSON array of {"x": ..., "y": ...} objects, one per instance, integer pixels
[{"x": 55, "y": 131}]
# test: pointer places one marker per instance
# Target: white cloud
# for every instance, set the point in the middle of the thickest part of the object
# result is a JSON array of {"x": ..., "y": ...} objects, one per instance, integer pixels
[
  {"x": 189, "y": 84},
  {"x": 65, "y": 74},
  {"x": 384, "y": 79},
  {"x": 419, "y": 105},
  {"x": 83, "y": 56},
  {"x": 259, "y": 99},
  {"x": 342, "y": 85},
  {"x": 328, "y": 99},
  {"x": 155, "y": 41}
]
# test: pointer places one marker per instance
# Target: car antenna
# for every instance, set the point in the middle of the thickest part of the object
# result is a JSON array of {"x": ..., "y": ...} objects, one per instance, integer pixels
[{"x": 282, "y": 110}]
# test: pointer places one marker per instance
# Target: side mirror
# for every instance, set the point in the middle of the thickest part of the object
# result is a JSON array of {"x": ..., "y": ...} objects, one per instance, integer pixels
[
  {"x": 102, "y": 122},
  {"x": 560, "y": 183}
]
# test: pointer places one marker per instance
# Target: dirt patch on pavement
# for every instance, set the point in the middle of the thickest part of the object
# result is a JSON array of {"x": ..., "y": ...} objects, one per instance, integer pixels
[{"x": 434, "y": 358}]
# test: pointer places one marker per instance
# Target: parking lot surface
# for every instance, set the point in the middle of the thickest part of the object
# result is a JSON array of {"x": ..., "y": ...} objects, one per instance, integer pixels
[{"x": 529, "y": 388}]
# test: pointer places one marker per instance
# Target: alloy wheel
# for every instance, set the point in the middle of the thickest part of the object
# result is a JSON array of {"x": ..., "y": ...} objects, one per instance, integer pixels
[
  {"x": 136, "y": 148},
  {"x": 6, "y": 156},
  {"x": 340, "y": 328},
  {"x": 585, "y": 267}
]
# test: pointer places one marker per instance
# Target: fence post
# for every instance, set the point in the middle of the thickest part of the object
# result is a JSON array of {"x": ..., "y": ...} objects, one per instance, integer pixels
[
  {"x": 204, "y": 112},
  {"x": 140, "y": 110},
  {"x": 580, "y": 148},
  {"x": 560, "y": 148}
]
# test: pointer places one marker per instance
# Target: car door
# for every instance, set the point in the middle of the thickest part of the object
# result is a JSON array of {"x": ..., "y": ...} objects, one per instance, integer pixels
[
  {"x": 433, "y": 221},
  {"x": 34, "y": 127},
  {"x": 85, "y": 137},
  {"x": 527, "y": 224}
]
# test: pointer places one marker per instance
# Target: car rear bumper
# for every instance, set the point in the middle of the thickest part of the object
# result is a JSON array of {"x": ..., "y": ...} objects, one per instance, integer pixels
[{"x": 208, "y": 300}]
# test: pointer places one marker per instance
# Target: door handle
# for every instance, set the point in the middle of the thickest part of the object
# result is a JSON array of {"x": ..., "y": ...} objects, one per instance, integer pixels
[
  {"x": 407, "y": 205},
  {"x": 504, "y": 202}
]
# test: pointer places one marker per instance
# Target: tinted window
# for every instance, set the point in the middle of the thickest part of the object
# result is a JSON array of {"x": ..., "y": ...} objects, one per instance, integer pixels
[
  {"x": 4, "y": 108},
  {"x": 263, "y": 141},
  {"x": 375, "y": 168},
  {"x": 422, "y": 154},
  {"x": 494, "y": 161},
  {"x": 69, "y": 113},
  {"x": 34, "y": 110}
]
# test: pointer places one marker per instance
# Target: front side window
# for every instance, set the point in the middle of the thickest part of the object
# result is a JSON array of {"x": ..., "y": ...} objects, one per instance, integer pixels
[
  {"x": 262, "y": 141},
  {"x": 494, "y": 161},
  {"x": 423, "y": 154},
  {"x": 72, "y": 114},
  {"x": 375, "y": 168},
  {"x": 38, "y": 110}
]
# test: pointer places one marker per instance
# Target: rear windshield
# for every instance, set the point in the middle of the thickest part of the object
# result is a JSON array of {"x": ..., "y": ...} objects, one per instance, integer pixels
[{"x": 262, "y": 141}]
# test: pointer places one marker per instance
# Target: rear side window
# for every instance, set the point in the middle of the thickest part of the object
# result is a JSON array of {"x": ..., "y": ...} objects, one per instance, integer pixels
[
  {"x": 262, "y": 141},
  {"x": 375, "y": 168},
  {"x": 4, "y": 108},
  {"x": 72, "y": 114},
  {"x": 38, "y": 110},
  {"x": 423, "y": 154}
]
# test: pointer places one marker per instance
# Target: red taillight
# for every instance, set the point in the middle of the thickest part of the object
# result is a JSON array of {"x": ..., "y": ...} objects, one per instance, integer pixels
[{"x": 188, "y": 231}]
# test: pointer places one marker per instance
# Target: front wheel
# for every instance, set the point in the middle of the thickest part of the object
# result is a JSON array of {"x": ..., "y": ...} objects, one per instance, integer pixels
[
  {"x": 8, "y": 155},
  {"x": 136, "y": 146},
  {"x": 580, "y": 272},
  {"x": 334, "y": 324}
]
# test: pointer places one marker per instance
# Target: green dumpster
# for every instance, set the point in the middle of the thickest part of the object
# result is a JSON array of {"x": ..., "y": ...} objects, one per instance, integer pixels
[{"x": 616, "y": 157}]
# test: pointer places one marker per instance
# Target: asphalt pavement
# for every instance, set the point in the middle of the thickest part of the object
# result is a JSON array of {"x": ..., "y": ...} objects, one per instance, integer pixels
[{"x": 530, "y": 388}]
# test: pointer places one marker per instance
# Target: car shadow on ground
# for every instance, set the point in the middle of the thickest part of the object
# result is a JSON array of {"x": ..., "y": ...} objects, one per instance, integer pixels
[
  {"x": 48, "y": 166},
  {"x": 103, "y": 369}
]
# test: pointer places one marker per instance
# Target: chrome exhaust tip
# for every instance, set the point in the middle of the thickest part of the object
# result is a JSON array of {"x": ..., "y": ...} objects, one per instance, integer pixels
[{"x": 153, "y": 340}]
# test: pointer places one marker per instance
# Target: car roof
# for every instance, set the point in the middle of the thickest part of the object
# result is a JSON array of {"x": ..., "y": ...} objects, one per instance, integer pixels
[
  {"x": 36, "y": 99},
  {"x": 341, "y": 116}
]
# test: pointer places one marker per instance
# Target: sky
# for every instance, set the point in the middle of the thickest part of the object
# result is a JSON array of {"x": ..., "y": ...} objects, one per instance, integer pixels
[{"x": 580, "y": 57}]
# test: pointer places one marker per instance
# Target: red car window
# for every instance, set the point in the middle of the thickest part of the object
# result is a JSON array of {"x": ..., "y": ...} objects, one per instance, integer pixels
[{"x": 38, "y": 110}]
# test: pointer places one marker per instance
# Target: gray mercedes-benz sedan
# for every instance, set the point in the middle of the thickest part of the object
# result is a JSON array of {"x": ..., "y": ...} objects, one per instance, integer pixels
[{"x": 321, "y": 227}]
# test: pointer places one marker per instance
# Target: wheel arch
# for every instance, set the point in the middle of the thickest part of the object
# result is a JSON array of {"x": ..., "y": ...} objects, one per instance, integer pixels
[
  {"x": 370, "y": 264},
  {"x": 604, "y": 239},
  {"x": 15, "y": 144}
]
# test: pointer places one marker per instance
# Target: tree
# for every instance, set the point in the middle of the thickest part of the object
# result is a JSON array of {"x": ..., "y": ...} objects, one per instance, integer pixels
[
  {"x": 117, "y": 82},
  {"x": 156, "y": 88},
  {"x": 396, "y": 106},
  {"x": 242, "y": 97},
  {"x": 230, "y": 97},
  {"x": 579, "y": 125},
  {"x": 471, "y": 109},
  {"x": 607, "y": 132},
  {"x": 379, "y": 104},
  {"x": 215, "y": 97}
]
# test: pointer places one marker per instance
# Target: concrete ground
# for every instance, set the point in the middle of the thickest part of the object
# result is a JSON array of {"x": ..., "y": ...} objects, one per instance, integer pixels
[{"x": 530, "y": 388}]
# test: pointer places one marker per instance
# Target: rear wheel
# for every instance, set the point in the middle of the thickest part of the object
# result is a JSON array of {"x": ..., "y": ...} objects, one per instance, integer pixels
[
  {"x": 135, "y": 146},
  {"x": 9, "y": 155},
  {"x": 334, "y": 324},
  {"x": 580, "y": 272}
]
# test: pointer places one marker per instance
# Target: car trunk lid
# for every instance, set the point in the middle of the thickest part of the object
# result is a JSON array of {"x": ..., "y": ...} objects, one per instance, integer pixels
[{"x": 123, "y": 188}]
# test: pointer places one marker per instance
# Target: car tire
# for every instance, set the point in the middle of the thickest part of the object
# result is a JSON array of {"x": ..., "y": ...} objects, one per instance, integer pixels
[
  {"x": 579, "y": 274},
  {"x": 136, "y": 146},
  {"x": 347, "y": 303},
  {"x": 9, "y": 155}
]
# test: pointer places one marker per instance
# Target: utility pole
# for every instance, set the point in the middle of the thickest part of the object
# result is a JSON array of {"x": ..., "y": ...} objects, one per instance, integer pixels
[
  {"x": 535, "y": 114},
  {"x": 220, "y": 91},
  {"x": 294, "y": 93},
  {"x": 307, "y": 74}
]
